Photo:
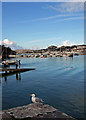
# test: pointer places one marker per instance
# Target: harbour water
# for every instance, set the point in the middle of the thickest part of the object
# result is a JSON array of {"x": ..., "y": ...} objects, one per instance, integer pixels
[{"x": 58, "y": 81}]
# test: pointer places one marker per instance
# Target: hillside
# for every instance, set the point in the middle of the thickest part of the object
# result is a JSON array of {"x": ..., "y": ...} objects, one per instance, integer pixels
[
  {"x": 49, "y": 49},
  {"x": 6, "y": 51}
]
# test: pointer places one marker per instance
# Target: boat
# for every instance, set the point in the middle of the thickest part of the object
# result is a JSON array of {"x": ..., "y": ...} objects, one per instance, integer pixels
[
  {"x": 43, "y": 56},
  {"x": 9, "y": 62},
  {"x": 76, "y": 54},
  {"x": 12, "y": 62},
  {"x": 70, "y": 55}
]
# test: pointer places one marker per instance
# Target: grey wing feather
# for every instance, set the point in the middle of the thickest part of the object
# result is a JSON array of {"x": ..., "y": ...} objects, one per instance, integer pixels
[{"x": 39, "y": 100}]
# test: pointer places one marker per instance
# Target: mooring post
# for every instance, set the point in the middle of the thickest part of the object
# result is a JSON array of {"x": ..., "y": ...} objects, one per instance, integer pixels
[
  {"x": 19, "y": 63},
  {"x": 6, "y": 71}
]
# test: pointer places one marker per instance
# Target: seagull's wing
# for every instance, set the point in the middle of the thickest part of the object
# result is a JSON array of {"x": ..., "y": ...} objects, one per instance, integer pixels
[{"x": 38, "y": 99}]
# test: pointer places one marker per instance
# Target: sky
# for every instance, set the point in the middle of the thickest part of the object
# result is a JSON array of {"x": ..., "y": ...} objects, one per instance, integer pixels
[
  {"x": 43, "y": 0},
  {"x": 36, "y": 25}
]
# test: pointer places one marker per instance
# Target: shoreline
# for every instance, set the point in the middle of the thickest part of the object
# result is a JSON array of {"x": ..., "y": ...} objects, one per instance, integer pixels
[{"x": 43, "y": 55}]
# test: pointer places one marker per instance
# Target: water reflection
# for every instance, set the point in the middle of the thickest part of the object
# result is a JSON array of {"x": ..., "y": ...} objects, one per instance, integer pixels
[
  {"x": 5, "y": 78},
  {"x": 18, "y": 77}
]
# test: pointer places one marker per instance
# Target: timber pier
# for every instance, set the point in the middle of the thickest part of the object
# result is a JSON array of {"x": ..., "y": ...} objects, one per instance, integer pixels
[{"x": 8, "y": 71}]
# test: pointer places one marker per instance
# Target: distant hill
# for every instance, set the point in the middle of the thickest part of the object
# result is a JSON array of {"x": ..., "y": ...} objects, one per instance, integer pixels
[
  {"x": 49, "y": 49},
  {"x": 5, "y": 51}
]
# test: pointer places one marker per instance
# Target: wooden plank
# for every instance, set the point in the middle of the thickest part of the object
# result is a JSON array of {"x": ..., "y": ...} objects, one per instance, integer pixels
[
  {"x": 17, "y": 70},
  {"x": 14, "y": 71}
]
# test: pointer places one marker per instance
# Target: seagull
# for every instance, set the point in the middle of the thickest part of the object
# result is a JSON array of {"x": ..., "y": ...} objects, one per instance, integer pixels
[{"x": 36, "y": 99}]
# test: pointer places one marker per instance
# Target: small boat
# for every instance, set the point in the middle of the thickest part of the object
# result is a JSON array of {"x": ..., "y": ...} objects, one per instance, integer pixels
[
  {"x": 4, "y": 64},
  {"x": 7, "y": 63},
  {"x": 43, "y": 56},
  {"x": 76, "y": 54},
  {"x": 37, "y": 56},
  {"x": 70, "y": 55},
  {"x": 12, "y": 62},
  {"x": 64, "y": 55}
]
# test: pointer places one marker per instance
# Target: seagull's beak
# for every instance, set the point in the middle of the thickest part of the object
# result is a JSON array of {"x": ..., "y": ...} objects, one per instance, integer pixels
[{"x": 30, "y": 94}]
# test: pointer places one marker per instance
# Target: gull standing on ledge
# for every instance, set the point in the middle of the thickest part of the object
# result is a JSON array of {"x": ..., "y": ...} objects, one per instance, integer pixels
[{"x": 36, "y": 99}]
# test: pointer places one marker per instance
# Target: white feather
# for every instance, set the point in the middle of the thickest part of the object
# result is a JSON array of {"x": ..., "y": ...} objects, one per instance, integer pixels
[{"x": 36, "y": 99}]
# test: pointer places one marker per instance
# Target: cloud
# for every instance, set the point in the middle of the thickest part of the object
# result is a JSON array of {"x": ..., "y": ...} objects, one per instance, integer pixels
[
  {"x": 70, "y": 19},
  {"x": 67, "y": 43},
  {"x": 45, "y": 18},
  {"x": 65, "y": 9},
  {"x": 73, "y": 18},
  {"x": 7, "y": 42},
  {"x": 35, "y": 48},
  {"x": 0, "y": 42},
  {"x": 68, "y": 7},
  {"x": 12, "y": 44},
  {"x": 68, "y": 11},
  {"x": 51, "y": 17},
  {"x": 71, "y": 7}
]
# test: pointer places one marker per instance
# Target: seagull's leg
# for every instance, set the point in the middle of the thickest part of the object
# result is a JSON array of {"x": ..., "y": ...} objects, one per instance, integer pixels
[{"x": 37, "y": 107}]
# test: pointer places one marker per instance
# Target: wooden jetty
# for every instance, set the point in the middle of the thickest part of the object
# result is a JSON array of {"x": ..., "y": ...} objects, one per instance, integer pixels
[
  {"x": 9, "y": 70},
  {"x": 32, "y": 111}
]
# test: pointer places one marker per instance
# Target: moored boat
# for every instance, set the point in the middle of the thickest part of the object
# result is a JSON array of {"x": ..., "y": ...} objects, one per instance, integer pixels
[{"x": 70, "y": 55}]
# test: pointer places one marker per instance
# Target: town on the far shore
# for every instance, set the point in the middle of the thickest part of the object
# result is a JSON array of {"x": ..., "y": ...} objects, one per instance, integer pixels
[{"x": 51, "y": 51}]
